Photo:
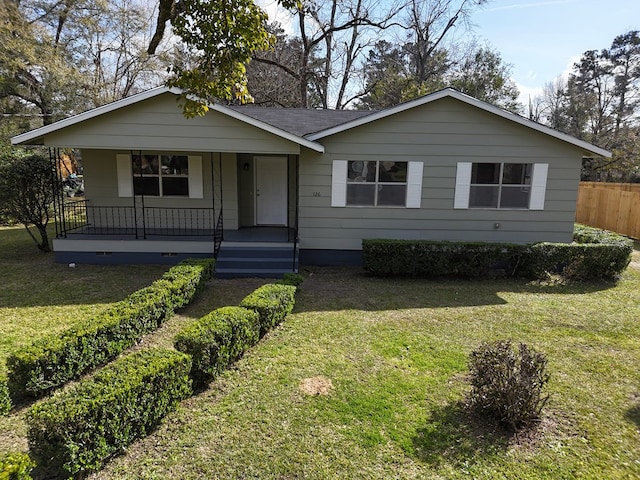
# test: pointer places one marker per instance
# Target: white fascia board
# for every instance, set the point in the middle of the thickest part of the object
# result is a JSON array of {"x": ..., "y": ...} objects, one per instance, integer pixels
[
  {"x": 268, "y": 128},
  {"x": 24, "y": 138},
  {"x": 449, "y": 92}
]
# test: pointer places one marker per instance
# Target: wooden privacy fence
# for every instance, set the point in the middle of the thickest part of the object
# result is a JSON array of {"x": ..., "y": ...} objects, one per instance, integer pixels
[{"x": 612, "y": 206}]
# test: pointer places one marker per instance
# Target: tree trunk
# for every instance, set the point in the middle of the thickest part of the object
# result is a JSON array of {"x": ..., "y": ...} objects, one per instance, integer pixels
[{"x": 43, "y": 244}]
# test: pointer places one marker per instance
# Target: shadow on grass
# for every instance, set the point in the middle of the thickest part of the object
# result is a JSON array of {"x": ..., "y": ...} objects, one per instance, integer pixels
[
  {"x": 343, "y": 288},
  {"x": 454, "y": 435},
  {"x": 633, "y": 414}
]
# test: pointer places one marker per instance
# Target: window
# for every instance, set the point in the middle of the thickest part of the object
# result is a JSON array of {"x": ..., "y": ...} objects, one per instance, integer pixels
[
  {"x": 160, "y": 175},
  {"x": 500, "y": 185},
  {"x": 377, "y": 183}
]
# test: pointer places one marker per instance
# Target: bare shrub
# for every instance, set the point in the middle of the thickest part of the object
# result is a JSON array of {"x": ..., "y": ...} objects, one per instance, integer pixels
[{"x": 508, "y": 384}]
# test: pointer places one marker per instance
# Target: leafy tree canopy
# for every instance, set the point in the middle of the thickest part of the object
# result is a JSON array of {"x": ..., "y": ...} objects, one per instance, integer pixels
[
  {"x": 221, "y": 36},
  {"x": 26, "y": 192}
]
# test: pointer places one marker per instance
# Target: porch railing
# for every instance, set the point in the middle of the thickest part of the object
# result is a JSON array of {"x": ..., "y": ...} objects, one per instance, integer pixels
[{"x": 81, "y": 217}]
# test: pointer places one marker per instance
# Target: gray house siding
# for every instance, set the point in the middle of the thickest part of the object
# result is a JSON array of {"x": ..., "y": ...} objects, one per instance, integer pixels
[
  {"x": 158, "y": 124},
  {"x": 440, "y": 134}
]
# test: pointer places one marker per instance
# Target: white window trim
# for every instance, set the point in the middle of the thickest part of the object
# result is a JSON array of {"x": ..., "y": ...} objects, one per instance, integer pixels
[
  {"x": 339, "y": 186},
  {"x": 339, "y": 183},
  {"x": 536, "y": 197},
  {"x": 538, "y": 186},
  {"x": 463, "y": 185},
  {"x": 125, "y": 177},
  {"x": 195, "y": 177},
  {"x": 414, "y": 184}
]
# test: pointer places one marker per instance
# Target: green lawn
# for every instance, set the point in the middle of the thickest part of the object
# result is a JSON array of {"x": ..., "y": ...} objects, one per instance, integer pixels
[{"x": 392, "y": 358}]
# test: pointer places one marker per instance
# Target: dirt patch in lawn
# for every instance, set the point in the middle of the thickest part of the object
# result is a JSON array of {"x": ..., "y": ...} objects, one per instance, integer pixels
[{"x": 316, "y": 386}]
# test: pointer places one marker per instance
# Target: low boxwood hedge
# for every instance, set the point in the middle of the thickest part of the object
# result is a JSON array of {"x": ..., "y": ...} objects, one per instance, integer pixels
[
  {"x": 77, "y": 430},
  {"x": 15, "y": 466},
  {"x": 218, "y": 339},
  {"x": 273, "y": 302},
  {"x": 594, "y": 254},
  {"x": 56, "y": 359},
  {"x": 5, "y": 398},
  {"x": 427, "y": 259}
]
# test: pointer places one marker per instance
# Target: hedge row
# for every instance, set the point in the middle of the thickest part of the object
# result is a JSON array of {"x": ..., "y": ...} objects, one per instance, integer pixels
[
  {"x": 221, "y": 337},
  {"x": 15, "y": 466},
  {"x": 594, "y": 254},
  {"x": 217, "y": 340},
  {"x": 77, "y": 430},
  {"x": 5, "y": 398},
  {"x": 273, "y": 302},
  {"x": 444, "y": 259},
  {"x": 52, "y": 361}
]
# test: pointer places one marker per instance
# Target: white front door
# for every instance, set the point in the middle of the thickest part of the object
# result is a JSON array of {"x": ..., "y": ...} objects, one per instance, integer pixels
[{"x": 271, "y": 190}]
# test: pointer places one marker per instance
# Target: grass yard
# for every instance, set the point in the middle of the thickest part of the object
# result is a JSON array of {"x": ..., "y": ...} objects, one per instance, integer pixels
[{"x": 365, "y": 379}]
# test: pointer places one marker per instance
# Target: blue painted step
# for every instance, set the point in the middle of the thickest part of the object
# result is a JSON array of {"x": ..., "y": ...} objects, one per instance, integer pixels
[{"x": 255, "y": 260}]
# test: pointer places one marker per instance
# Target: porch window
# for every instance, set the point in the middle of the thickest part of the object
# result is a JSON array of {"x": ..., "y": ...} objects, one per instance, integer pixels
[{"x": 160, "y": 175}]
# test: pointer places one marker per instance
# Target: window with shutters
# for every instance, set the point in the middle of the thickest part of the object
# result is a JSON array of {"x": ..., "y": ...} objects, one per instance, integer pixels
[
  {"x": 376, "y": 183},
  {"x": 500, "y": 185},
  {"x": 160, "y": 175}
]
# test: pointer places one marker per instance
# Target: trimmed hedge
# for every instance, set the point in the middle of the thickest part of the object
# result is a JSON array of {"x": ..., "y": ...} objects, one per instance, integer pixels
[
  {"x": 77, "y": 430},
  {"x": 427, "y": 259},
  {"x": 15, "y": 466},
  {"x": 52, "y": 361},
  {"x": 594, "y": 254},
  {"x": 273, "y": 302},
  {"x": 5, "y": 398},
  {"x": 291, "y": 278},
  {"x": 217, "y": 340},
  {"x": 589, "y": 261}
]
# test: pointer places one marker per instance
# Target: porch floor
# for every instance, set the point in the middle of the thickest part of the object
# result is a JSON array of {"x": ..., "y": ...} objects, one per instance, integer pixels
[{"x": 248, "y": 234}]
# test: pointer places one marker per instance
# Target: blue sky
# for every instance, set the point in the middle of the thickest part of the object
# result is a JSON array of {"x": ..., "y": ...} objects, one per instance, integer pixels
[{"x": 541, "y": 39}]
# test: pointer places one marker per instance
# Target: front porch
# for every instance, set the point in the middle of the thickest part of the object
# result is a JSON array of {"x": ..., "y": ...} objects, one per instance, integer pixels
[{"x": 144, "y": 235}]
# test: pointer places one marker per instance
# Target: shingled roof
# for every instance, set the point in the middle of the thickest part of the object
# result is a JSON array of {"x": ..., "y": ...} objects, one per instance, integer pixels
[{"x": 301, "y": 121}]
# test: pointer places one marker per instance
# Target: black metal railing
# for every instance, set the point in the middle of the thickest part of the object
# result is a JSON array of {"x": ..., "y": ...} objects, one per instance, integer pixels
[
  {"x": 179, "y": 221},
  {"x": 71, "y": 216},
  {"x": 81, "y": 217},
  {"x": 292, "y": 237},
  {"x": 217, "y": 235}
]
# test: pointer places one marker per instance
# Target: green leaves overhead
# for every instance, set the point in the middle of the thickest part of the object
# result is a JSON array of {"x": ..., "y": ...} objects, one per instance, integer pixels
[{"x": 222, "y": 35}]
